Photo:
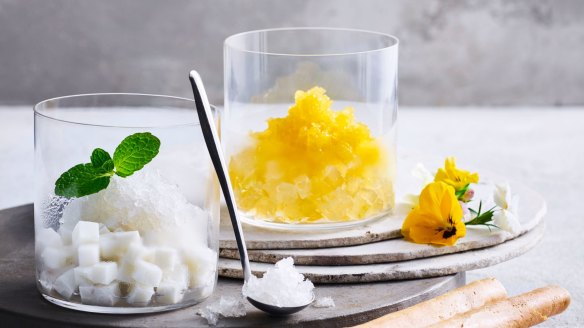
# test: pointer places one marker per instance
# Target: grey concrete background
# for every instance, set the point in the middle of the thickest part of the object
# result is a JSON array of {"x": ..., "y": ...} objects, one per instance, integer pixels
[{"x": 452, "y": 53}]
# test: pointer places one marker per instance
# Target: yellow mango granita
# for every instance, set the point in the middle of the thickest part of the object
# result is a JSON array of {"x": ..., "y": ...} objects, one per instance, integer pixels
[{"x": 313, "y": 165}]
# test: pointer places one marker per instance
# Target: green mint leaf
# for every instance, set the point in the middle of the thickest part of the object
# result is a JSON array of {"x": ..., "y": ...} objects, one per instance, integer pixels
[
  {"x": 134, "y": 152},
  {"x": 99, "y": 157},
  {"x": 83, "y": 179},
  {"x": 108, "y": 166},
  {"x": 130, "y": 156}
]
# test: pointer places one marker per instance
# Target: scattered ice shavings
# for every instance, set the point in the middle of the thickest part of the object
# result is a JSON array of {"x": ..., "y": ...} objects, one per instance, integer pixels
[
  {"x": 324, "y": 302},
  {"x": 281, "y": 286},
  {"x": 227, "y": 307}
]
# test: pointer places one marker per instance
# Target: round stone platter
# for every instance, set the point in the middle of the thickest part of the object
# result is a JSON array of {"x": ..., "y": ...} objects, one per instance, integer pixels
[
  {"x": 419, "y": 268},
  {"x": 376, "y": 251},
  {"x": 258, "y": 238},
  {"x": 377, "y": 242},
  {"x": 387, "y": 251},
  {"x": 21, "y": 305}
]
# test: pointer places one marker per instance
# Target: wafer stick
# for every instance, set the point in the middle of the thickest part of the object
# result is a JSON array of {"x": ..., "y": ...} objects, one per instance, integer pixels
[
  {"x": 524, "y": 310},
  {"x": 460, "y": 300}
]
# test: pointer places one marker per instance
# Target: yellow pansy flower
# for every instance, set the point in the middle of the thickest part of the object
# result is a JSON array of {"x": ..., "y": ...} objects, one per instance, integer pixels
[
  {"x": 437, "y": 219},
  {"x": 455, "y": 177}
]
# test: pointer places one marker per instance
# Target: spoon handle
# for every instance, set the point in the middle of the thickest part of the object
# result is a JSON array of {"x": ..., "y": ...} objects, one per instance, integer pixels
[{"x": 214, "y": 147}]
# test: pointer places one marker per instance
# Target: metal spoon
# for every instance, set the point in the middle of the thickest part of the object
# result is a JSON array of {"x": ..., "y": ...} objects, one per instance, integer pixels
[{"x": 214, "y": 148}]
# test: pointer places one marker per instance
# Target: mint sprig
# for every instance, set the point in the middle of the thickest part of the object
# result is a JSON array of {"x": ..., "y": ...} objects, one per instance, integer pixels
[{"x": 131, "y": 155}]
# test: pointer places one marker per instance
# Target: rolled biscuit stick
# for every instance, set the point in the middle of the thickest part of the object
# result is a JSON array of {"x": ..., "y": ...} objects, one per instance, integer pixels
[
  {"x": 448, "y": 305},
  {"x": 524, "y": 310}
]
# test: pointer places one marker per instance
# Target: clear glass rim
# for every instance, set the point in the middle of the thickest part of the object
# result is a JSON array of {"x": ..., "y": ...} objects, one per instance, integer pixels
[
  {"x": 37, "y": 110},
  {"x": 229, "y": 41}
]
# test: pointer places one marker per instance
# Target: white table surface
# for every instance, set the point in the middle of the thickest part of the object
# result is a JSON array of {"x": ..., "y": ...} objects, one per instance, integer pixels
[{"x": 541, "y": 147}]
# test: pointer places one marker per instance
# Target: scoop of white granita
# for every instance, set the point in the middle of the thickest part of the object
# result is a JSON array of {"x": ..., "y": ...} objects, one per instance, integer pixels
[{"x": 282, "y": 286}]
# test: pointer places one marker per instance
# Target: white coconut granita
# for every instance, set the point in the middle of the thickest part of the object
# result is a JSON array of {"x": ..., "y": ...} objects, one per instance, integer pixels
[
  {"x": 227, "y": 307},
  {"x": 324, "y": 302},
  {"x": 138, "y": 242},
  {"x": 281, "y": 286}
]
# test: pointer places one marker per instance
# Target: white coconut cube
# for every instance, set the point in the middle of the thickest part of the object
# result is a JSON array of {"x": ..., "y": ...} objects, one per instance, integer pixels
[
  {"x": 48, "y": 237},
  {"x": 104, "y": 272},
  {"x": 88, "y": 254},
  {"x": 136, "y": 251},
  {"x": 169, "y": 292},
  {"x": 203, "y": 292},
  {"x": 83, "y": 276},
  {"x": 202, "y": 264},
  {"x": 127, "y": 263},
  {"x": 140, "y": 294},
  {"x": 103, "y": 229},
  {"x": 85, "y": 232},
  {"x": 146, "y": 273},
  {"x": 57, "y": 257},
  {"x": 125, "y": 271},
  {"x": 106, "y": 295},
  {"x": 166, "y": 258},
  {"x": 108, "y": 247},
  {"x": 115, "y": 244},
  {"x": 46, "y": 279},
  {"x": 65, "y": 284},
  {"x": 66, "y": 233},
  {"x": 178, "y": 275}
]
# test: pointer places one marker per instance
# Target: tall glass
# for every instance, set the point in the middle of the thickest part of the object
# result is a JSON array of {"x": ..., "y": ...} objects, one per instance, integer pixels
[
  {"x": 296, "y": 161},
  {"x": 146, "y": 242}
]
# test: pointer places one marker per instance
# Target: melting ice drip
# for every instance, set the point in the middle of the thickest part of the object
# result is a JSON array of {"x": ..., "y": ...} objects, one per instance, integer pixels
[{"x": 138, "y": 242}]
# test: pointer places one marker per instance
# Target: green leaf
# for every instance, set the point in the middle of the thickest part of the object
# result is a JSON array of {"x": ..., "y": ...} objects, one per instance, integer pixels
[
  {"x": 460, "y": 193},
  {"x": 130, "y": 156},
  {"x": 83, "y": 179},
  {"x": 108, "y": 166},
  {"x": 99, "y": 157},
  {"x": 482, "y": 218},
  {"x": 134, "y": 152}
]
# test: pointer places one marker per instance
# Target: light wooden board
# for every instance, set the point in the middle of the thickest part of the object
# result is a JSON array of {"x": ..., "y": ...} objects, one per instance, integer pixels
[
  {"x": 532, "y": 209},
  {"x": 420, "y": 268}
]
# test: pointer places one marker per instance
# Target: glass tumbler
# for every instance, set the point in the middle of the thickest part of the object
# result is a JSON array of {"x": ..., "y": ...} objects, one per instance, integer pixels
[
  {"x": 132, "y": 227},
  {"x": 309, "y": 125}
]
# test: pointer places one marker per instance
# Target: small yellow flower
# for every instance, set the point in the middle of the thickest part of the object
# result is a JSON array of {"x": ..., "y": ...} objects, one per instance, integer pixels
[
  {"x": 455, "y": 177},
  {"x": 437, "y": 219}
]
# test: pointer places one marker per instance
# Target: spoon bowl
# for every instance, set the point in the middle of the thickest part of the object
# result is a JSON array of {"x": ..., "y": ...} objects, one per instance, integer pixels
[
  {"x": 279, "y": 310},
  {"x": 214, "y": 147}
]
